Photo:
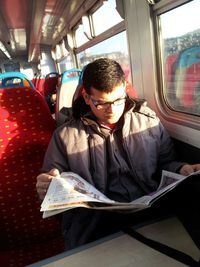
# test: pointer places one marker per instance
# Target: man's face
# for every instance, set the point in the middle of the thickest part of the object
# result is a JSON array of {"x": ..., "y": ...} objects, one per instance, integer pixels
[{"x": 107, "y": 107}]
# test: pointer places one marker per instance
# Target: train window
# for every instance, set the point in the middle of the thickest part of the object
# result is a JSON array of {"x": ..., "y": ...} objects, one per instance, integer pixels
[
  {"x": 180, "y": 42},
  {"x": 28, "y": 72},
  {"x": 80, "y": 36},
  {"x": 105, "y": 13},
  {"x": 103, "y": 40},
  {"x": 63, "y": 50},
  {"x": 58, "y": 52},
  {"x": 62, "y": 57},
  {"x": 65, "y": 63},
  {"x": 114, "y": 47}
]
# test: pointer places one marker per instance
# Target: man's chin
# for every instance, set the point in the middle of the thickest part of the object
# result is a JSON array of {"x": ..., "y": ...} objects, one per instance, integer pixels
[{"x": 111, "y": 120}]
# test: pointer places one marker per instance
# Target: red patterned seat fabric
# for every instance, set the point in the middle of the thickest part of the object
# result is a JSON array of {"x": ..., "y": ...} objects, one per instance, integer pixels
[
  {"x": 26, "y": 126},
  {"x": 49, "y": 86},
  {"x": 39, "y": 84}
]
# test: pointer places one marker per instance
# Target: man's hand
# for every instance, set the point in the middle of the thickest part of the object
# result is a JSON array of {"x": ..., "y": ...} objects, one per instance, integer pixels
[
  {"x": 188, "y": 169},
  {"x": 43, "y": 182}
]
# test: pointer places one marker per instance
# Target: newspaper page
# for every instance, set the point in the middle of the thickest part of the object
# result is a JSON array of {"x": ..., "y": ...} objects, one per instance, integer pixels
[{"x": 69, "y": 191}]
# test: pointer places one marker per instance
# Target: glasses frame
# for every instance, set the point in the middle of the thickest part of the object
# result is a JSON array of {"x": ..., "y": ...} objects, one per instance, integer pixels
[{"x": 105, "y": 105}]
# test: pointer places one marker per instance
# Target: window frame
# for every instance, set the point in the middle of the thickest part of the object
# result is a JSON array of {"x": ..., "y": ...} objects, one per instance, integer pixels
[
  {"x": 167, "y": 113},
  {"x": 101, "y": 37}
]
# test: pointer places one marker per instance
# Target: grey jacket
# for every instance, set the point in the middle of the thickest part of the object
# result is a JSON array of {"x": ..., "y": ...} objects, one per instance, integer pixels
[{"x": 79, "y": 146}]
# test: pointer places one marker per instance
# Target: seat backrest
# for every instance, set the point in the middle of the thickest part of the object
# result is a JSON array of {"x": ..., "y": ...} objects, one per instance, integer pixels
[
  {"x": 26, "y": 126},
  {"x": 130, "y": 90},
  {"x": 39, "y": 83},
  {"x": 65, "y": 93},
  {"x": 50, "y": 83},
  {"x": 15, "y": 79}
]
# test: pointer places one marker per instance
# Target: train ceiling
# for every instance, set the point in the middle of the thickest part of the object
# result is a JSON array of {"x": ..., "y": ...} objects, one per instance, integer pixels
[{"x": 26, "y": 25}]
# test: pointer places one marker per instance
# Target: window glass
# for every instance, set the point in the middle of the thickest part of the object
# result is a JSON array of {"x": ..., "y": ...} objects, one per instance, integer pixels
[
  {"x": 58, "y": 51},
  {"x": 80, "y": 37},
  {"x": 114, "y": 47},
  {"x": 180, "y": 38},
  {"x": 28, "y": 72},
  {"x": 105, "y": 17},
  {"x": 65, "y": 64},
  {"x": 64, "y": 51}
]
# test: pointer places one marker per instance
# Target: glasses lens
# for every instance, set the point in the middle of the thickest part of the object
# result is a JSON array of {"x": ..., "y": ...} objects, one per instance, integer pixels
[
  {"x": 102, "y": 106},
  {"x": 119, "y": 101},
  {"x": 105, "y": 105}
]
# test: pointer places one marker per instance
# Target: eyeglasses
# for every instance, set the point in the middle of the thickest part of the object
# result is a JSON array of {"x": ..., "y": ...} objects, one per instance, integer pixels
[{"x": 105, "y": 105}]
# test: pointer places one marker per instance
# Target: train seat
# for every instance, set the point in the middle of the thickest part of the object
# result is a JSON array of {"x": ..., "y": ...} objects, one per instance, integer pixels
[
  {"x": 39, "y": 83},
  {"x": 26, "y": 126},
  {"x": 130, "y": 90},
  {"x": 65, "y": 93},
  {"x": 15, "y": 79},
  {"x": 50, "y": 83}
]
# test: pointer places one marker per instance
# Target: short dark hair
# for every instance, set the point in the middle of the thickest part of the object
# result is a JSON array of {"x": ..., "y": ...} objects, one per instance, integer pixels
[{"x": 103, "y": 74}]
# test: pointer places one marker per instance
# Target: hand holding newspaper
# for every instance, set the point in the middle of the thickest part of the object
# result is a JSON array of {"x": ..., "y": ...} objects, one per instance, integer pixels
[{"x": 69, "y": 190}]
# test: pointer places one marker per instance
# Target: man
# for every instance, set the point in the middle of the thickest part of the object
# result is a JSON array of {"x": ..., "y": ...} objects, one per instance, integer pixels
[{"x": 115, "y": 143}]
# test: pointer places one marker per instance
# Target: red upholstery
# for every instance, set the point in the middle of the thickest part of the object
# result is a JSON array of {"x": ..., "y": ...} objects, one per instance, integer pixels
[
  {"x": 26, "y": 126},
  {"x": 49, "y": 86},
  {"x": 130, "y": 90},
  {"x": 39, "y": 84}
]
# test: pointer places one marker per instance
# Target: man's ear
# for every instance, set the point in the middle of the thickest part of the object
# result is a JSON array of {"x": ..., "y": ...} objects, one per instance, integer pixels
[{"x": 86, "y": 97}]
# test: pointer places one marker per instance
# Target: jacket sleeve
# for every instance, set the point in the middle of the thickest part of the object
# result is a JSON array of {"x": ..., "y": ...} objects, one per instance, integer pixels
[{"x": 167, "y": 156}]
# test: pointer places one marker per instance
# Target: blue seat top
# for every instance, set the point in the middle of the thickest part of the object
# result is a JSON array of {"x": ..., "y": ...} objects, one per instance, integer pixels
[
  {"x": 14, "y": 79},
  {"x": 70, "y": 75}
]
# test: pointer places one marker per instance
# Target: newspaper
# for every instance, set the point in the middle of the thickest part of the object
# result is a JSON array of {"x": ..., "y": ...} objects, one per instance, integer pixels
[{"x": 68, "y": 191}]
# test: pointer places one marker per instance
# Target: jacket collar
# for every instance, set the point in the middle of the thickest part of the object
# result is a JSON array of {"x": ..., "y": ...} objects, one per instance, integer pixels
[{"x": 131, "y": 105}]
